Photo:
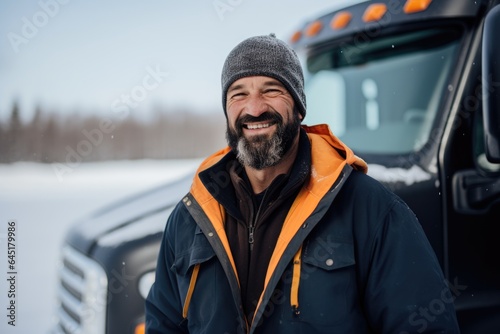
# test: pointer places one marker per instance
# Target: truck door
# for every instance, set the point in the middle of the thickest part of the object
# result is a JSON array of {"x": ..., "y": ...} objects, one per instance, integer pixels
[{"x": 471, "y": 196}]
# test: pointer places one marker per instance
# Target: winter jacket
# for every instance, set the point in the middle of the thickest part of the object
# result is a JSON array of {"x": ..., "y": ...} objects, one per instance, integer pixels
[
  {"x": 351, "y": 258},
  {"x": 253, "y": 222}
]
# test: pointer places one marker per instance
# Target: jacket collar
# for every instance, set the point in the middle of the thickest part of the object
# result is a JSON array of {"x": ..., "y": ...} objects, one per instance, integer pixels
[{"x": 216, "y": 179}]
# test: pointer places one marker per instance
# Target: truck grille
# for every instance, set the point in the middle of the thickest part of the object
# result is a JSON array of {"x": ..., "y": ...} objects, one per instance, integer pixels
[{"x": 82, "y": 294}]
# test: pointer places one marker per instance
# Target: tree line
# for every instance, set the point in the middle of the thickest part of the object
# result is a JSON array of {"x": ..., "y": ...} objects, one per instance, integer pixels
[{"x": 55, "y": 137}]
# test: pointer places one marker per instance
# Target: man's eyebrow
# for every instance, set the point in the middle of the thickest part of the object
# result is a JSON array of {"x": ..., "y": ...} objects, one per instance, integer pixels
[
  {"x": 273, "y": 82},
  {"x": 268, "y": 83},
  {"x": 235, "y": 87}
]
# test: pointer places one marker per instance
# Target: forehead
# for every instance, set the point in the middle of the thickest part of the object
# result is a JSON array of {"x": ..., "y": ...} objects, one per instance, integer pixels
[{"x": 257, "y": 81}]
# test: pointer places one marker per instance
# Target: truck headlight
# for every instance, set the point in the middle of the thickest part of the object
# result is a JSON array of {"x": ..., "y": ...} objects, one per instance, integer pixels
[{"x": 145, "y": 283}]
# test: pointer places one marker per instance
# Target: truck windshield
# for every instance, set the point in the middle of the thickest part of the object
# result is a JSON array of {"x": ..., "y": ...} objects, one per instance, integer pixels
[{"x": 381, "y": 96}]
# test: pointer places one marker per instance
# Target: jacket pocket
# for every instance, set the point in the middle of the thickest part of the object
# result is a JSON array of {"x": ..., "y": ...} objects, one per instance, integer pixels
[
  {"x": 198, "y": 252},
  {"x": 328, "y": 290},
  {"x": 328, "y": 254},
  {"x": 187, "y": 266},
  {"x": 204, "y": 293}
]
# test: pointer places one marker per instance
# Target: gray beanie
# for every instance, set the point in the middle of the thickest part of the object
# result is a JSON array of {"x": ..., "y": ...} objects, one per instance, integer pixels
[{"x": 266, "y": 56}]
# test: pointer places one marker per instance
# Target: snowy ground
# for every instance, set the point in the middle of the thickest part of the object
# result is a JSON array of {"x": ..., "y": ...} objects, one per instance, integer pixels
[{"x": 44, "y": 200}]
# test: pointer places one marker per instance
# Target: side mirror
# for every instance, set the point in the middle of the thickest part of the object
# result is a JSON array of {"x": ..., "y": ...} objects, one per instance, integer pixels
[{"x": 491, "y": 84}]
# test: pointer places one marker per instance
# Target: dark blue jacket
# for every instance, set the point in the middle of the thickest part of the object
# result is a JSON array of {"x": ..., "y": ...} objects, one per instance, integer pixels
[{"x": 351, "y": 258}]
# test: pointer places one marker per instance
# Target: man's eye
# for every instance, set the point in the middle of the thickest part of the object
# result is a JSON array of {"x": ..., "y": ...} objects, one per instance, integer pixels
[
  {"x": 237, "y": 95},
  {"x": 272, "y": 91}
]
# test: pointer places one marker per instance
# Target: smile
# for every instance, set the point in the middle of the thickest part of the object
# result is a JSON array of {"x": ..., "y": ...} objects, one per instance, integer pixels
[{"x": 257, "y": 126}]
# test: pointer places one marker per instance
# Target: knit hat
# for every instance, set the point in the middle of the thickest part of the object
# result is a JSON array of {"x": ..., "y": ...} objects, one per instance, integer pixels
[{"x": 266, "y": 56}]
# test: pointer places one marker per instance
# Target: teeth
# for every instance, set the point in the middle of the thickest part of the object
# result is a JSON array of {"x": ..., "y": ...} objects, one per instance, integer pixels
[{"x": 258, "y": 126}]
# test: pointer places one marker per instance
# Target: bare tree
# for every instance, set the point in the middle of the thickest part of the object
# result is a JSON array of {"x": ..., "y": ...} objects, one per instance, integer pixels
[
  {"x": 57, "y": 137},
  {"x": 13, "y": 139}
]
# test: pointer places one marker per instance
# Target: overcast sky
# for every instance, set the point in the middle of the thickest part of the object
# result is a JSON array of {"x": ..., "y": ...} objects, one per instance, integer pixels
[{"x": 88, "y": 56}]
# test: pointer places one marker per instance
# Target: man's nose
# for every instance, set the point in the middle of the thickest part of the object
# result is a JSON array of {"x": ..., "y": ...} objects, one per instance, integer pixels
[{"x": 256, "y": 105}]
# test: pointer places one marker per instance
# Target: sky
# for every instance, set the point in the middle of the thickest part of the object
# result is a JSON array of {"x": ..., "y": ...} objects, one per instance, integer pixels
[{"x": 75, "y": 56}]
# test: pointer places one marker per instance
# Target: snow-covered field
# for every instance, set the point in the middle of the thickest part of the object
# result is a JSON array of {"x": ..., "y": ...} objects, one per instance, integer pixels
[{"x": 44, "y": 201}]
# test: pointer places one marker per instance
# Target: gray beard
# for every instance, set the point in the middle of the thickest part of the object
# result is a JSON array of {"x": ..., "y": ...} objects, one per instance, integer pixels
[{"x": 261, "y": 152}]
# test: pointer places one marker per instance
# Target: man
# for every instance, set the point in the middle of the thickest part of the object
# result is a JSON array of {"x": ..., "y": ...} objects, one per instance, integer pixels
[{"x": 282, "y": 232}]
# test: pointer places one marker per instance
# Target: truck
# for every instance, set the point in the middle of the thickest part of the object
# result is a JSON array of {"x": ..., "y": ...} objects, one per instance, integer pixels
[{"x": 413, "y": 87}]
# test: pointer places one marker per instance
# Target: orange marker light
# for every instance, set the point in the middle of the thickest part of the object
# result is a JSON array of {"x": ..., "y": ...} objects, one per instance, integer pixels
[
  {"x": 341, "y": 20},
  {"x": 414, "y": 6},
  {"x": 140, "y": 328},
  {"x": 314, "y": 28},
  {"x": 374, "y": 12},
  {"x": 296, "y": 36}
]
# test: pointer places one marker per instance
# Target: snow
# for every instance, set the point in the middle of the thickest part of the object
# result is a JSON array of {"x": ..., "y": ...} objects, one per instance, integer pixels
[
  {"x": 409, "y": 176},
  {"x": 43, "y": 206}
]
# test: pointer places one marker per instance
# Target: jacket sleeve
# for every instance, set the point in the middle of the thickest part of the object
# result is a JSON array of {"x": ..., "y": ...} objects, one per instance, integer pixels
[
  {"x": 406, "y": 291},
  {"x": 163, "y": 305}
]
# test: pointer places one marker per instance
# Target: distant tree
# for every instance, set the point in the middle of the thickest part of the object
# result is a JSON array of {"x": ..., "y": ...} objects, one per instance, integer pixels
[
  {"x": 13, "y": 136},
  {"x": 34, "y": 136},
  {"x": 51, "y": 150},
  {"x": 3, "y": 143}
]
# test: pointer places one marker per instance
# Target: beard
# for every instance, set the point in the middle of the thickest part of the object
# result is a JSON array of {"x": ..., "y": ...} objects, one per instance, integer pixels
[{"x": 262, "y": 151}]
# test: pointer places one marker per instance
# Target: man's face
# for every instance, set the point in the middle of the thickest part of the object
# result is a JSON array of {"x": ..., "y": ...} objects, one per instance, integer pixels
[{"x": 262, "y": 122}]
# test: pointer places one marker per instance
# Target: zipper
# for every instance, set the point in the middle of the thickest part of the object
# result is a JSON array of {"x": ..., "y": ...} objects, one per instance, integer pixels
[
  {"x": 251, "y": 226},
  {"x": 251, "y": 230}
]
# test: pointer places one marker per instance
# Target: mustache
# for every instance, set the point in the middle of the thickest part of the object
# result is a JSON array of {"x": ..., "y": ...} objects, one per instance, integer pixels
[{"x": 266, "y": 116}]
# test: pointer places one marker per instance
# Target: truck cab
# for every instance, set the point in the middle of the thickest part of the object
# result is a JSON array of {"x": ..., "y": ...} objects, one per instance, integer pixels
[{"x": 413, "y": 87}]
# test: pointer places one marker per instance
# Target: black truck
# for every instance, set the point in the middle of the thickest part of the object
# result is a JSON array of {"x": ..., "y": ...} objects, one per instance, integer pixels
[{"x": 413, "y": 87}]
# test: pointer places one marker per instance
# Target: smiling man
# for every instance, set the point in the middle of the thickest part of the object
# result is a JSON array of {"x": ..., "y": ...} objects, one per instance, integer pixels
[
  {"x": 262, "y": 127},
  {"x": 282, "y": 231}
]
